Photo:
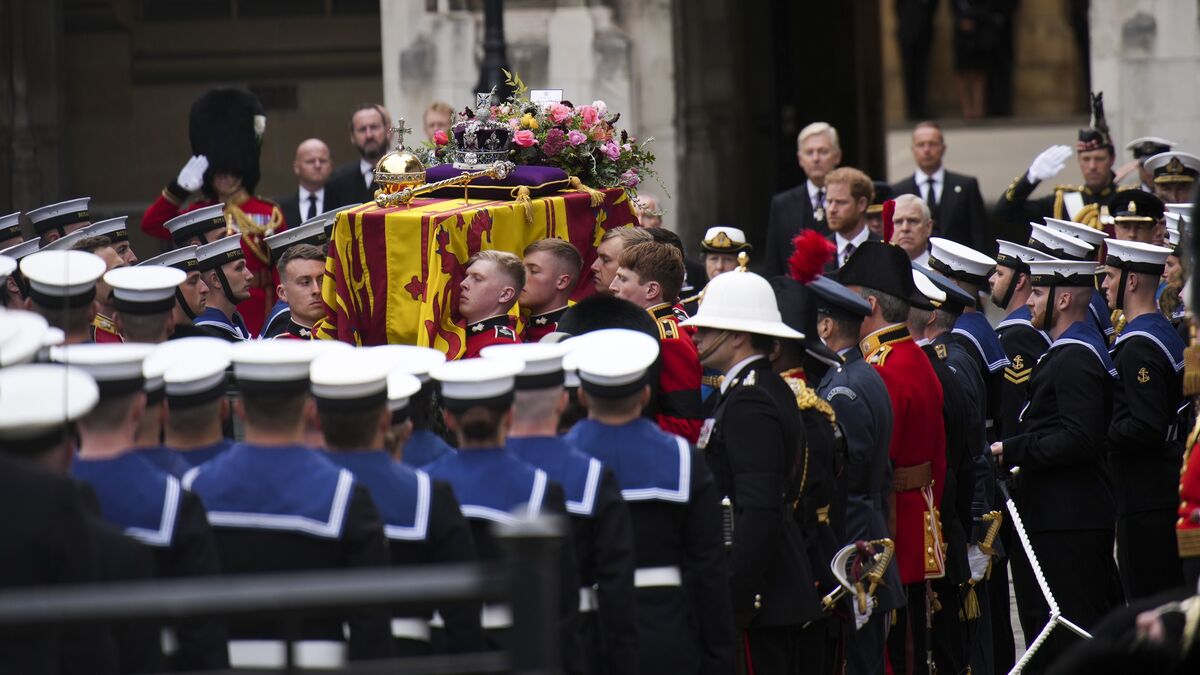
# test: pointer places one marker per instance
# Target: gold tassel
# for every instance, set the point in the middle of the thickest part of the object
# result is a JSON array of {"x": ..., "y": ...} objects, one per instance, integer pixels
[
  {"x": 596, "y": 195},
  {"x": 524, "y": 201},
  {"x": 970, "y": 609}
]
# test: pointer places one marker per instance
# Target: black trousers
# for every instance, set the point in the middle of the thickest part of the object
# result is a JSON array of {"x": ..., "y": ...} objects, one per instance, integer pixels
[
  {"x": 909, "y": 641},
  {"x": 1148, "y": 554},
  {"x": 783, "y": 649},
  {"x": 866, "y": 647},
  {"x": 1004, "y": 653},
  {"x": 1079, "y": 567}
]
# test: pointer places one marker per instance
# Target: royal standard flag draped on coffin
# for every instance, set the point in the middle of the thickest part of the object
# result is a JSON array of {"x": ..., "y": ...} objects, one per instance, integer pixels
[{"x": 393, "y": 274}]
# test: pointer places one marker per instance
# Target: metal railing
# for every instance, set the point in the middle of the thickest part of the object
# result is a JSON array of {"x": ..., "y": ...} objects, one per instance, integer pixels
[{"x": 527, "y": 580}]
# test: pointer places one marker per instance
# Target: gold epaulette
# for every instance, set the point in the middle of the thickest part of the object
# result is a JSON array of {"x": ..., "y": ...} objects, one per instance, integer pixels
[
  {"x": 1068, "y": 188},
  {"x": 667, "y": 329},
  {"x": 806, "y": 396},
  {"x": 104, "y": 323},
  {"x": 877, "y": 357}
]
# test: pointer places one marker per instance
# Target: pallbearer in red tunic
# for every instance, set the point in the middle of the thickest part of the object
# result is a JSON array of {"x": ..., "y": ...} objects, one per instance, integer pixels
[
  {"x": 226, "y": 127},
  {"x": 1187, "y": 528},
  {"x": 882, "y": 273},
  {"x": 493, "y": 282},
  {"x": 551, "y": 273},
  {"x": 649, "y": 275}
]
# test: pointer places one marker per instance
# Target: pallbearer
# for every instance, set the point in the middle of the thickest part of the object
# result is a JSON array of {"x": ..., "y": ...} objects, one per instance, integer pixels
[{"x": 1145, "y": 437}]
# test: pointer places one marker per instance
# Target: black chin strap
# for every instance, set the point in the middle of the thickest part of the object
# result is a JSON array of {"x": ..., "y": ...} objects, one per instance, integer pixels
[
  {"x": 1120, "y": 303},
  {"x": 1049, "y": 320},
  {"x": 225, "y": 286},
  {"x": 1008, "y": 293},
  {"x": 183, "y": 304}
]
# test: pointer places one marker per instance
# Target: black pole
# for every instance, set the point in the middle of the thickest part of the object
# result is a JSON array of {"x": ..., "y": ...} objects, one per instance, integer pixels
[
  {"x": 495, "y": 52},
  {"x": 535, "y": 549}
]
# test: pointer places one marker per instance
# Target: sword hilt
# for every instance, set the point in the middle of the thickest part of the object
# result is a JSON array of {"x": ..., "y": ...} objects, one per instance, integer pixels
[{"x": 994, "y": 519}]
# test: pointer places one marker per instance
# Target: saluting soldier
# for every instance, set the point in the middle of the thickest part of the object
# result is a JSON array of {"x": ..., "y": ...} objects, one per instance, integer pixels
[
  {"x": 1145, "y": 439},
  {"x": 754, "y": 443},
  {"x": 421, "y": 517},
  {"x": 492, "y": 484},
  {"x": 277, "y": 505},
  {"x": 882, "y": 274},
  {"x": 143, "y": 501},
  {"x": 600, "y": 524},
  {"x": 1063, "y": 490},
  {"x": 683, "y": 617}
]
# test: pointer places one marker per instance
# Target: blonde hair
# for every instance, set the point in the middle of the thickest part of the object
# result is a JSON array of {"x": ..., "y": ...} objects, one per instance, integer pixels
[
  {"x": 440, "y": 107},
  {"x": 508, "y": 263},
  {"x": 818, "y": 128},
  {"x": 628, "y": 235}
]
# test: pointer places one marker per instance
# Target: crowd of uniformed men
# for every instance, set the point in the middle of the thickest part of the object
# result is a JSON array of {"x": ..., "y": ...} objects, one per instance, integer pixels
[{"x": 711, "y": 451}]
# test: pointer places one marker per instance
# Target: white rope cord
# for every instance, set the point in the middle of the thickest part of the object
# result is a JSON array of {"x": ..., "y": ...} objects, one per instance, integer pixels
[{"x": 1055, "y": 613}]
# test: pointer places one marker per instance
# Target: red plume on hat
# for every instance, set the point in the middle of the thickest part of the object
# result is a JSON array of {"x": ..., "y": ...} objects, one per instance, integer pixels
[
  {"x": 889, "y": 209},
  {"x": 810, "y": 253}
]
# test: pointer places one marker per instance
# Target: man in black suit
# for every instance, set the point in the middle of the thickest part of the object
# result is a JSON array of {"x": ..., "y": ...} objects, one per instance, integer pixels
[
  {"x": 954, "y": 199},
  {"x": 370, "y": 131},
  {"x": 312, "y": 167},
  {"x": 802, "y": 207},
  {"x": 915, "y": 30},
  {"x": 847, "y": 194}
]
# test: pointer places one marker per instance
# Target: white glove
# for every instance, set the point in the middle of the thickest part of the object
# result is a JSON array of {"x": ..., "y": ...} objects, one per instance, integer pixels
[
  {"x": 978, "y": 561},
  {"x": 1049, "y": 163},
  {"x": 191, "y": 176},
  {"x": 860, "y": 620}
]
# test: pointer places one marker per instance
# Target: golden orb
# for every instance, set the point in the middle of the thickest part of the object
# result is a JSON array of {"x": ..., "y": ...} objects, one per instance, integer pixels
[{"x": 399, "y": 168}]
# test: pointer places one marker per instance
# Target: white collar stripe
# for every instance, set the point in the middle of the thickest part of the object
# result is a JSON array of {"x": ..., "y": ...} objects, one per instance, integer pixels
[
  {"x": 166, "y": 527},
  {"x": 420, "y": 526}
]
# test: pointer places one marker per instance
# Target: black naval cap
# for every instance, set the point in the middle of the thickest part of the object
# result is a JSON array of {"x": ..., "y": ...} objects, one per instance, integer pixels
[
  {"x": 883, "y": 267},
  {"x": 1136, "y": 207}
]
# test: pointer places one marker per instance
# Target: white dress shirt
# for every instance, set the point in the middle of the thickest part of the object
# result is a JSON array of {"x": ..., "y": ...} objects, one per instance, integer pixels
[
  {"x": 922, "y": 259},
  {"x": 320, "y": 205},
  {"x": 814, "y": 195},
  {"x": 842, "y": 243},
  {"x": 939, "y": 183},
  {"x": 367, "y": 170}
]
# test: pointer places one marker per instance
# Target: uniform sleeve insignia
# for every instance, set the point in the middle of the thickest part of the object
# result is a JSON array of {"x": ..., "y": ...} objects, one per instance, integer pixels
[
  {"x": 506, "y": 332},
  {"x": 940, "y": 350},
  {"x": 667, "y": 329},
  {"x": 751, "y": 379},
  {"x": 1143, "y": 376},
  {"x": 1018, "y": 362}
]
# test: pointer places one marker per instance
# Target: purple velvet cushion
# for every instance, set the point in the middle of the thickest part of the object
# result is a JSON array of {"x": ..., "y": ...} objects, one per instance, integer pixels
[{"x": 541, "y": 181}]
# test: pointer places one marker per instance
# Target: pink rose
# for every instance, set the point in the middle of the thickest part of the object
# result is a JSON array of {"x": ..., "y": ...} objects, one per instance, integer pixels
[
  {"x": 589, "y": 115},
  {"x": 576, "y": 138},
  {"x": 612, "y": 150},
  {"x": 559, "y": 113},
  {"x": 525, "y": 138},
  {"x": 630, "y": 178},
  {"x": 440, "y": 137}
]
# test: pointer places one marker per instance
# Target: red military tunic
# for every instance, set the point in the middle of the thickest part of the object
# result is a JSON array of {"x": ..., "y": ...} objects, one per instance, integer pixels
[
  {"x": 104, "y": 330},
  {"x": 261, "y": 211},
  {"x": 1187, "y": 528},
  {"x": 679, "y": 381},
  {"x": 918, "y": 446},
  {"x": 496, "y": 330},
  {"x": 539, "y": 326}
]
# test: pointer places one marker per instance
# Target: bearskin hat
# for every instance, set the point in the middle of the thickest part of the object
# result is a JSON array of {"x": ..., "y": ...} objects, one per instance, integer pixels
[{"x": 226, "y": 126}]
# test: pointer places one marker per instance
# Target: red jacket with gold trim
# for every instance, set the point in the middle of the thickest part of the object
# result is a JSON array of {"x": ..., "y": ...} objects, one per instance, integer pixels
[{"x": 679, "y": 380}]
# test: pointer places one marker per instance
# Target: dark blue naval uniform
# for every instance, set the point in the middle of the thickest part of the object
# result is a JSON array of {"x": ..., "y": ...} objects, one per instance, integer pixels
[
  {"x": 603, "y": 537},
  {"x": 423, "y": 447},
  {"x": 198, "y": 456},
  {"x": 150, "y": 506},
  {"x": 423, "y": 526},
  {"x": 277, "y": 320},
  {"x": 288, "y": 508},
  {"x": 1145, "y": 452},
  {"x": 1098, "y": 308},
  {"x": 164, "y": 459},
  {"x": 973, "y": 331},
  {"x": 683, "y": 610},
  {"x": 491, "y": 484},
  {"x": 214, "y": 323}
]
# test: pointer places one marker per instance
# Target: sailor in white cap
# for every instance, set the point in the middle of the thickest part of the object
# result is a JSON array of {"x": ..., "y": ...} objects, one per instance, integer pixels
[
  {"x": 422, "y": 445},
  {"x": 603, "y": 535},
  {"x": 58, "y": 220},
  {"x": 493, "y": 486},
  {"x": 62, "y": 286},
  {"x": 144, "y": 298},
  {"x": 1175, "y": 175},
  {"x": 276, "y": 504},
  {"x": 1062, "y": 246},
  {"x": 422, "y": 519},
  {"x": 104, "y": 326},
  {"x": 751, "y": 442},
  {"x": 222, "y": 266},
  {"x": 721, "y": 246},
  {"x": 1144, "y": 148},
  {"x": 1022, "y": 343},
  {"x": 191, "y": 296},
  {"x": 194, "y": 381},
  {"x": 21, "y": 335},
  {"x": 1063, "y": 491},
  {"x": 669, "y": 490},
  {"x": 10, "y": 230},
  {"x": 118, "y": 233},
  {"x": 68, "y": 242},
  {"x": 51, "y": 535},
  {"x": 1149, "y": 423},
  {"x": 135, "y": 496},
  {"x": 304, "y": 284},
  {"x": 15, "y": 290},
  {"x": 1170, "y": 300},
  {"x": 198, "y": 226}
]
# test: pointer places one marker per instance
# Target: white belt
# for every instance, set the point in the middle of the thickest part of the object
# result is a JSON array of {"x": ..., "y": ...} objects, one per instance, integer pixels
[
  {"x": 411, "y": 629},
  {"x": 493, "y": 617},
  {"x": 273, "y": 654},
  {"x": 588, "y": 600},
  {"x": 650, "y": 577}
]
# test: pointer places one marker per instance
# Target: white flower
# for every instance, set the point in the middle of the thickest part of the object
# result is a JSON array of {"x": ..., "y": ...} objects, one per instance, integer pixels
[
  {"x": 260, "y": 125},
  {"x": 601, "y": 107}
]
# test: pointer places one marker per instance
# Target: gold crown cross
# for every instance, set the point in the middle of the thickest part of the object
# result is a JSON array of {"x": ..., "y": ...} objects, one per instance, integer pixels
[{"x": 398, "y": 131}]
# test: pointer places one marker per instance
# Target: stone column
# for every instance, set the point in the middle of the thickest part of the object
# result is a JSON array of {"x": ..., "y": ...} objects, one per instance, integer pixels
[{"x": 1146, "y": 60}]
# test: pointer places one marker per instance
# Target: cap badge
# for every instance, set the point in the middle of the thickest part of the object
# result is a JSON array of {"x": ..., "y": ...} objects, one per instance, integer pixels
[
  {"x": 1174, "y": 167},
  {"x": 722, "y": 240},
  {"x": 1132, "y": 207}
]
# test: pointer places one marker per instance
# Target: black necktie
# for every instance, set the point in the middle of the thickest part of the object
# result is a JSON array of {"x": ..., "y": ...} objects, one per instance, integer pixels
[
  {"x": 931, "y": 197},
  {"x": 312, "y": 207},
  {"x": 819, "y": 212}
]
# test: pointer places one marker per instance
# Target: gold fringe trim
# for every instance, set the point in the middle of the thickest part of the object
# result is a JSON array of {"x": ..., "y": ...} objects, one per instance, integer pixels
[
  {"x": 523, "y": 201},
  {"x": 970, "y": 609},
  {"x": 596, "y": 195}
]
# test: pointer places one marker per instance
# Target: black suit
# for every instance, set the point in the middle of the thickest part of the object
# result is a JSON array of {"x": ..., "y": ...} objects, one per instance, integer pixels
[
  {"x": 348, "y": 187},
  {"x": 959, "y": 215},
  {"x": 295, "y": 213},
  {"x": 791, "y": 212}
]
